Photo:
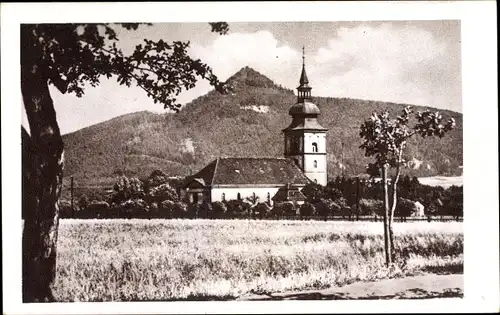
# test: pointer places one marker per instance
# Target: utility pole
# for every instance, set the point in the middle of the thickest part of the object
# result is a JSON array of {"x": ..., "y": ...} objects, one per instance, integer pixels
[
  {"x": 357, "y": 198},
  {"x": 72, "y": 208},
  {"x": 342, "y": 158}
]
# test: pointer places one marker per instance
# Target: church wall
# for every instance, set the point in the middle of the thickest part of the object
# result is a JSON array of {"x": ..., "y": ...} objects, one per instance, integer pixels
[
  {"x": 318, "y": 173},
  {"x": 320, "y": 178},
  {"x": 232, "y": 193},
  {"x": 319, "y": 138}
]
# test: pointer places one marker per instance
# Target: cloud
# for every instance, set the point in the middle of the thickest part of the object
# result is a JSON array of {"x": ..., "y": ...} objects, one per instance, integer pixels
[
  {"x": 259, "y": 50},
  {"x": 382, "y": 63}
]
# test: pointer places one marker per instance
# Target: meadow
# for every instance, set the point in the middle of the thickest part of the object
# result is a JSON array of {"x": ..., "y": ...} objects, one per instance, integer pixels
[{"x": 158, "y": 260}]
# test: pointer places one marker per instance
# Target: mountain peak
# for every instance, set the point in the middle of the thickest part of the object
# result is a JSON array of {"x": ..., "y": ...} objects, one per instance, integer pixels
[{"x": 250, "y": 77}]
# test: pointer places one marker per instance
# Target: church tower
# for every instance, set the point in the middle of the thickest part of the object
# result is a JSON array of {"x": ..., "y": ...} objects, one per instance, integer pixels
[{"x": 305, "y": 138}]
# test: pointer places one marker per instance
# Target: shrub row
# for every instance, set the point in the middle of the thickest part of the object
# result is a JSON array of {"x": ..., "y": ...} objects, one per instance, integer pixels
[{"x": 232, "y": 209}]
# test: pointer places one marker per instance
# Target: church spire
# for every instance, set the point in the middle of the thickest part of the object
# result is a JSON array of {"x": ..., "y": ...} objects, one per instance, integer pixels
[
  {"x": 304, "y": 90},
  {"x": 304, "y": 81}
]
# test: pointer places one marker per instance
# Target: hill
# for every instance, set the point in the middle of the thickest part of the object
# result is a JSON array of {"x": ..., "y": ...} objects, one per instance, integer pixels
[{"x": 245, "y": 122}]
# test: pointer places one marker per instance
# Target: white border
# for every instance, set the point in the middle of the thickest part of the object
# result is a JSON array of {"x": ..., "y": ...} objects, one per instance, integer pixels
[{"x": 479, "y": 69}]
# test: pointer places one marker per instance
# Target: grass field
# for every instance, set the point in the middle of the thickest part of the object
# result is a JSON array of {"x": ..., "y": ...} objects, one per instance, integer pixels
[{"x": 130, "y": 260}]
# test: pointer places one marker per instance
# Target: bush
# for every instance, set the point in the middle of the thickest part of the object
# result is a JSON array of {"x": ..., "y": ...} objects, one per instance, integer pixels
[
  {"x": 307, "y": 209},
  {"x": 262, "y": 210},
  {"x": 95, "y": 209},
  {"x": 204, "y": 210},
  {"x": 371, "y": 207},
  {"x": 313, "y": 192},
  {"x": 405, "y": 208},
  {"x": 219, "y": 210},
  {"x": 324, "y": 207},
  {"x": 161, "y": 193},
  {"x": 340, "y": 207},
  {"x": 283, "y": 209},
  {"x": 133, "y": 208},
  {"x": 170, "y": 209},
  {"x": 192, "y": 210},
  {"x": 83, "y": 202},
  {"x": 238, "y": 209}
]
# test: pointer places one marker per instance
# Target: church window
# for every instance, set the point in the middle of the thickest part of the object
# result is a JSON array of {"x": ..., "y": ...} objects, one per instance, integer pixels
[
  {"x": 315, "y": 164},
  {"x": 238, "y": 196},
  {"x": 223, "y": 197},
  {"x": 268, "y": 197},
  {"x": 315, "y": 147}
]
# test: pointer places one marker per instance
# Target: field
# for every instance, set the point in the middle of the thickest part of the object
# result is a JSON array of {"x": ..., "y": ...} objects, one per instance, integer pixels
[{"x": 131, "y": 260}]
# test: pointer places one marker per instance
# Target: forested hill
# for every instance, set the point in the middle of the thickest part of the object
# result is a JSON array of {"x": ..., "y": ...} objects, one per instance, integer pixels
[{"x": 246, "y": 122}]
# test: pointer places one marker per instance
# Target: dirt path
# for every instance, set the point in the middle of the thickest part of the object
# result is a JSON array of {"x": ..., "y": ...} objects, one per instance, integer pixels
[{"x": 417, "y": 287}]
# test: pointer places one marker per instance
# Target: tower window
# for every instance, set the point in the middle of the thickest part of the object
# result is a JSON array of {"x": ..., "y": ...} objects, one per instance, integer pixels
[
  {"x": 315, "y": 147},
  {"x": 223, "y": 197},
  {"x": 268, "y": 197},
  {"x": 238, "y": 196},
  {"x": 315, "y": 164}
]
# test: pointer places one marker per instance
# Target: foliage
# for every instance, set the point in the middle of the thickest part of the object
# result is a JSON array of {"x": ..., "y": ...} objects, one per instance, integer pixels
[
  {"x": 313, "y": 192},
  {"x": 262, "y": 210},
  {"x": 405, "y": 208},
  {"x": 340, "y": 207},
  {"x": 253, "y": 199},
  {"x": 385, "y": 140},
  {"x": 127, "y": 188},
  {"x": 79, "y": 54},
  {"x": 219, "y": 209},
  {"x": 204, "y": 210},
  {"x": 324, "y": 207},
  {"x": 237, "y": 208},
  {"x": 371, "y": 207},
  {"x": 170, "y": 209},
  {"x": 155, "y": 179},
  {"x": 83, "y": 202},
  {"x": 283, "y": 209},
  {"x": 307, "y": 209},
  {"x": 162, "y": 192}
]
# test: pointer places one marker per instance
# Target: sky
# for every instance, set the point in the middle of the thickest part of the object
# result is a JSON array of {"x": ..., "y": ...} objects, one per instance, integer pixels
[{"x": 413, "y": 62}]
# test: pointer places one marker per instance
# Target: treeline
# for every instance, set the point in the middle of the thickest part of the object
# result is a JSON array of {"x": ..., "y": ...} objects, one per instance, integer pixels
[{"x": 159, "y": 196}]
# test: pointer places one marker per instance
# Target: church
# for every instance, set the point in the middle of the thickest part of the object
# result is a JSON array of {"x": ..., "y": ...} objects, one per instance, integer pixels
[{"x": 271, "y": 180}]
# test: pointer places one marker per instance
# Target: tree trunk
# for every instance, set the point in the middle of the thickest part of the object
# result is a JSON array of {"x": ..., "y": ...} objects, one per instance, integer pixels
[
  {"x": 394, "y": 201},
  {"x": 42, "y": 218},
  {"x": 387, "y": 243}
]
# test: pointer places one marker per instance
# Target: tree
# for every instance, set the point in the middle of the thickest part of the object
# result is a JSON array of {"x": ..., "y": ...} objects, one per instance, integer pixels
[
  {"x": 253, "y": 199},
  {"x": 127, "y": 188},
  {"x": 161, "y": 193},
  {"x": 69, "y": 56},
  {"x": 313, "y": 192},
  {"x": 385, "y": 139}
]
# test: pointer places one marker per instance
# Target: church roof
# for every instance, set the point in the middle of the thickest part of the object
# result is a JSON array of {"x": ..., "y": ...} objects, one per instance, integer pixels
[
  {"x": 289, "y": 194},
  {"x": 304, "y": 81},
  {"x": 305, "y": 124},
  {"x": 251, "y": 171},
  {"x": 304, "y": 108}
]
